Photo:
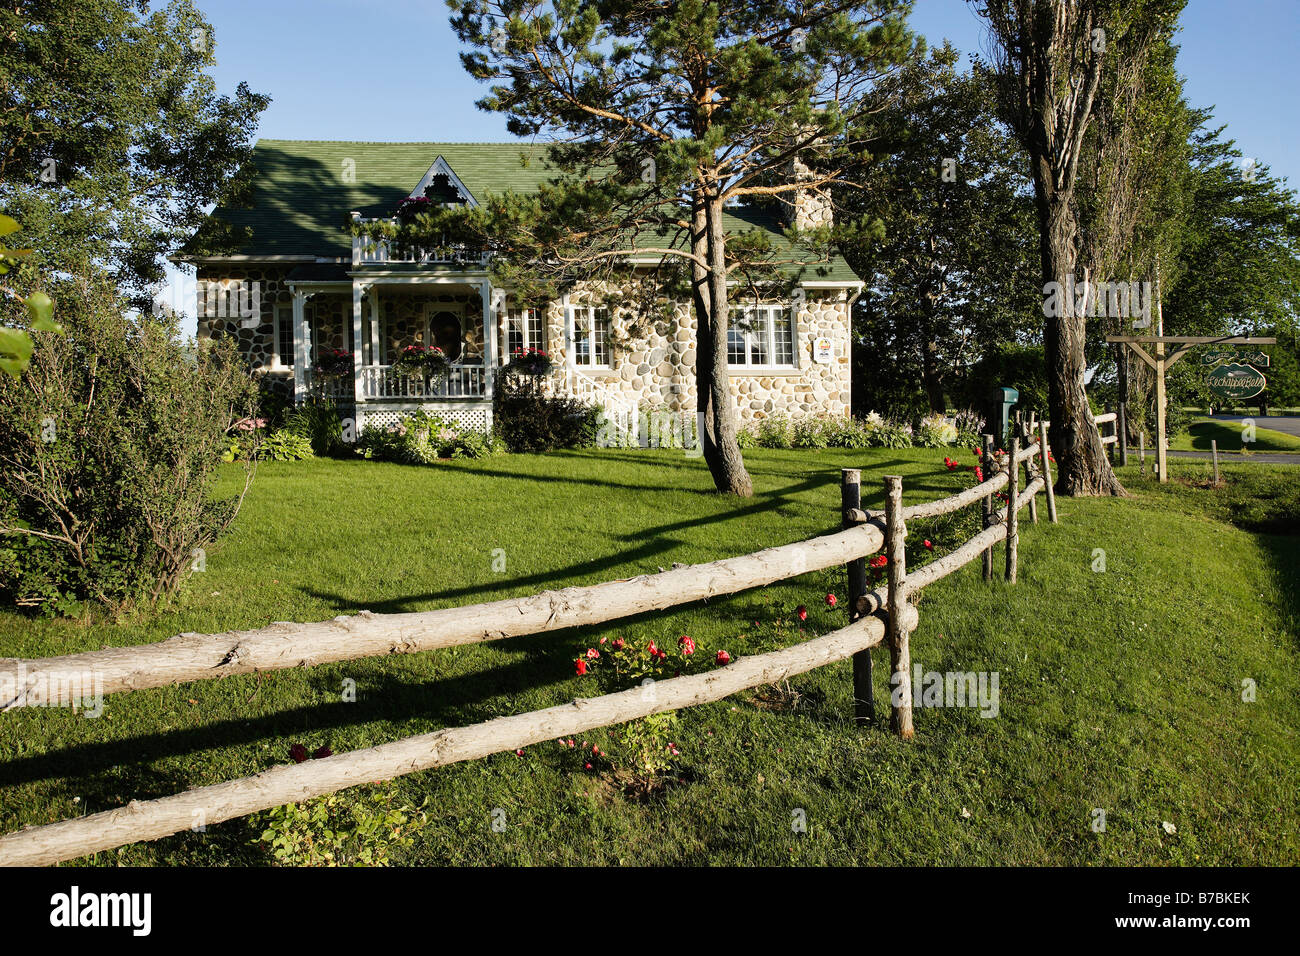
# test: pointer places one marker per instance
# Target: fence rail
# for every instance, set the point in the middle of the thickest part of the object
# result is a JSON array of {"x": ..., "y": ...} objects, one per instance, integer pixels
[{"x": 884, "y": 616}]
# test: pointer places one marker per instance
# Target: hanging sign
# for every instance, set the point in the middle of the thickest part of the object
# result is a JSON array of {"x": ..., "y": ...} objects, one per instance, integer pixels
[
  {"x": 823, "y": 350},
  {"x": 1236, "y": 382},
  {"x": 1222, "y": 353}
]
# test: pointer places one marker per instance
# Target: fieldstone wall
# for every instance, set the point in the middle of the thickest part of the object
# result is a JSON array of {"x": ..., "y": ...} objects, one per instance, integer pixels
[
  {"x": 652, "y": 360},
  {"x": 652, "y": 356}
]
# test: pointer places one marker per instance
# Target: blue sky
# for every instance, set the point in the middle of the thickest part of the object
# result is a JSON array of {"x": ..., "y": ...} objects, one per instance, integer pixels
[{"x": 388, "y": 70}]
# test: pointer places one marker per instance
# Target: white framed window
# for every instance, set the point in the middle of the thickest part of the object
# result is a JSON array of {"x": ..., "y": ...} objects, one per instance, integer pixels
[
  {"x": 282, "y": 337},
  {"x": 524, "y": 330},
  {"x": 589, "y": 332},
  {"x": 760, "y": 337}
]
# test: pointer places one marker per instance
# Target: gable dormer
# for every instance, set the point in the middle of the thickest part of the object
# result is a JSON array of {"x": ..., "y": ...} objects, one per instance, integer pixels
[{"x": 441, "y": 185}]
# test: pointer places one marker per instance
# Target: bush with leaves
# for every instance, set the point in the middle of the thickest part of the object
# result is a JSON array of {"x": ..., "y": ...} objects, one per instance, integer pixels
[
  {"x": 527, "y": 420},
  {"x": 110, "y": 445},
  {"x": 424, "y": 438},
  {"x": 350, "y": 828},
  {"x": 319, "y": 421}
]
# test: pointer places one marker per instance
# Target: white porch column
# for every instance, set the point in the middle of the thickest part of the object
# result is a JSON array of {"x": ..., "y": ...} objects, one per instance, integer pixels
[
  {"x": 358, "y": 390},
  {"x": 300, "y": 357},
  {"x": 489, "y": 340},
  {"x": 375, "y": 357}
]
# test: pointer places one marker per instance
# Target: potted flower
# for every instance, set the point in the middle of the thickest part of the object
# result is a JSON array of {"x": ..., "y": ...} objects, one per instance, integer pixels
[
  {"x": 411, "y": 207},
  {"x": 333, "y": 364},
  {"x": 529, "y": 362},
  {"x": 421, "y": 361}
]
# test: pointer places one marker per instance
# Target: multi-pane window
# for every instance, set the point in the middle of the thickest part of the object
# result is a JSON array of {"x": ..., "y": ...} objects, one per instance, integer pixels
[
  {"x": 282, "y": 343},
  {"x": 590, "y": 336},
  {"x": 760, "y": 336},
  {"x": 524, "y": 331}
]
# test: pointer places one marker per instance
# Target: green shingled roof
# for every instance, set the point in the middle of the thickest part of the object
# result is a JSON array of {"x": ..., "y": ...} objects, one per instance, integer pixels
[{"x": 305, "y": 190}]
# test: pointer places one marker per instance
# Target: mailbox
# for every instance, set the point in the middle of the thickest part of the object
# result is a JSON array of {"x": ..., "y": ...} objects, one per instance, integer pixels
[{"x": 1003, "y": 399}]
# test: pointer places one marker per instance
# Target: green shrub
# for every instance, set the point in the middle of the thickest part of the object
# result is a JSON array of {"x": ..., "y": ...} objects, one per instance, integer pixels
[
  {"x": 285, "y": 445},
  {"x": 320, "y": 422},
  {"x": 422, "y": 439},
  {"x": 846, "y": 433},
  {"x": 341, "y": 829},
  {"x": 529, "y": 421},
  {"x": 774, "y": 432},
  {"x": 934, "y": 431},
  {"x": 810, "y": 433},
  {"x": 110, "y": 446}
]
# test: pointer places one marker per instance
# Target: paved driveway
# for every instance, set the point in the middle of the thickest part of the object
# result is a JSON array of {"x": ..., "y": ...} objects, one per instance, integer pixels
[{"x": 1290, "y": 424}]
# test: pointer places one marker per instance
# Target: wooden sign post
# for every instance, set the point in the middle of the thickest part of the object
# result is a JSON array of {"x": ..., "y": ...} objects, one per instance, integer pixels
[{"x": 1162, "y": 361}]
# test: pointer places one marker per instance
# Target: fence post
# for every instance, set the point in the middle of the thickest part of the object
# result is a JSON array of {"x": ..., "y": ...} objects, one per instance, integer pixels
[
  {"x": 1122, "y": 426},
  {"x": 986, "y": 463},
  {"x": 864, "y": 704},
  {"x": 1027, "y": 434},
  {"x": 1013, "y": 523},
  {"x": 1045, "y": 453},
  {"x": 900, "y": 655},
  {"x": 1214, "y": 453}
]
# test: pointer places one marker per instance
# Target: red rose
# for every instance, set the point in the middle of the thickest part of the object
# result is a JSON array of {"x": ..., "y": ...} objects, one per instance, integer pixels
[
  {"x": 592, "y": 653},
  {"x": 723, "y": 657},
  {"x": 687, "y": 645},
  {"x": 802, "y": 612},
  {"x": 580, "y": 666},
  {"x": 298, "y": 752},
  {"x": 322, "y": 752},
  {"x": 617, "y": 644},
  {"x": 928, "y": 545},
  {"x": 652, "y": 649},
  {"x": 830, "y": 600}
]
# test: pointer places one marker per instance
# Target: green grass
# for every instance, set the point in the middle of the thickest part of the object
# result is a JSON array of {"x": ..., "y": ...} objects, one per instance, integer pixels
[
  {"x": 1228, "y": 435},
  {"x": 1120, "y": 690}
]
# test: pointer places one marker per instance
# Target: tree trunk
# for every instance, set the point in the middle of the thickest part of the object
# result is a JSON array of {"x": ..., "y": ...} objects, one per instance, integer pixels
[
  {"x": 1082, "y": 466},
  {"x": 713, "y": 388}
]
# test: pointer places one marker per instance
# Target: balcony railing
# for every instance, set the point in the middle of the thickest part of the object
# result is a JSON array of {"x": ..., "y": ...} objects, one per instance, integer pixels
[{"x": 368, "y": 251}]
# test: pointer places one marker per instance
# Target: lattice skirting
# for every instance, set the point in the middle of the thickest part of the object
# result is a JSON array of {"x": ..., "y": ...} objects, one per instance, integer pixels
[{"x": 477, "y": 415}]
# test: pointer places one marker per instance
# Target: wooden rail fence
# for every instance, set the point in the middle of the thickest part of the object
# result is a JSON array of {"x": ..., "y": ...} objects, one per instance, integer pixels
[{"x": 882, "y": 616}]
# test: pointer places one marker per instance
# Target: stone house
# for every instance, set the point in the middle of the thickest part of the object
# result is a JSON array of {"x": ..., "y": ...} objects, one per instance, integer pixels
[{"x": 302, "y": 286}]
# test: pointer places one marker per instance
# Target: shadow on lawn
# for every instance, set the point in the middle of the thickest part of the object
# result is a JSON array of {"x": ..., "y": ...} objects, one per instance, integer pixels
[
  {"x": 111, "y": 772},
  {"x": 645, "y": 545}
]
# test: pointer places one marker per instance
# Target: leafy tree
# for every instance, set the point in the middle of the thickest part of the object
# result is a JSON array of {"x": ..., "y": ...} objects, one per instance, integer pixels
[
  {"x": 1053, "y": 58},
  {"x": 662, "y": 118},
  {"x": 946, "y": 283},
  {"x": 113, "y": 140}
]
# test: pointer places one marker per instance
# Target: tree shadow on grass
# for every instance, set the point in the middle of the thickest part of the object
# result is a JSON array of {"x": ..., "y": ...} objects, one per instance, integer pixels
[{"x": 114, "y": 771}]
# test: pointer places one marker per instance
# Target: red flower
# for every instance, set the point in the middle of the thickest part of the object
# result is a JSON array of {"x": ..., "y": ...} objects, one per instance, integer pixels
[
  {"x": 322, "y": 752},
  {"x": 830, "y": 600},
  {"x": 592, "y": 653},
  {"x": 617, "y": 644},
  {"x": 298, "y": 752},
  {"x": 588, "y": 766},
  {"x": 979, "y": 473},
  {"x": 580, "y": 666},
  {"x": 519, "y": 753},
  {"x": 723, "y": 657},
  {"x": 928, "y": 545},
  {"x": 802, "y": 612},
  {"x": 879, "y": 561},
  {"x": 652, "y": 649},
  {"x": 687, "y": 645}
]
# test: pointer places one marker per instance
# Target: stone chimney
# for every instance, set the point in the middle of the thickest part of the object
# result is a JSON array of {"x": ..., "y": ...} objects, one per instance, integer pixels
[{"x": 807, "y": 207}]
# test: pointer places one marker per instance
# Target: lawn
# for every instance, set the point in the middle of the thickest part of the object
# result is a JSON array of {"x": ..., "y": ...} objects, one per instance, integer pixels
[
  {"x": 1228, "y": 434},
  {"x": 1120, "y": 689}
]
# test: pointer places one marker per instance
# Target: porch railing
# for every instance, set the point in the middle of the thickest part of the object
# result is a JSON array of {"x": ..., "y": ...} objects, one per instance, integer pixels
[
  {"x": 368, "y": 251},
  {"x": 459, "y": 381}
]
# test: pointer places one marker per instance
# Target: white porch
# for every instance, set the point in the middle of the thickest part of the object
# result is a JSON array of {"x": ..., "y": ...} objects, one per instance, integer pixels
[{"x": 390, "y": 311}]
